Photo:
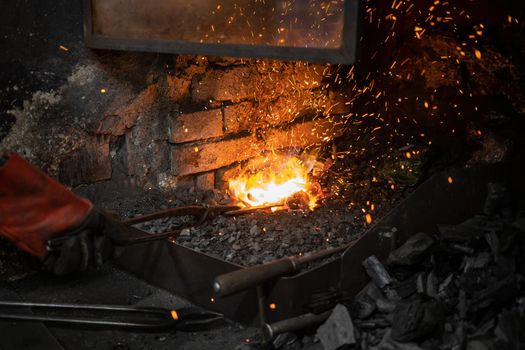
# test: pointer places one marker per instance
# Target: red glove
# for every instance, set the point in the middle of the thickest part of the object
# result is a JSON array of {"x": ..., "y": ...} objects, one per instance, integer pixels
[{"x": 35, "y": 208}]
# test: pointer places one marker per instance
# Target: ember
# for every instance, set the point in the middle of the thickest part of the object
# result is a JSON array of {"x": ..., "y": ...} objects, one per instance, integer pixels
[{"x": 279, "y": 180}]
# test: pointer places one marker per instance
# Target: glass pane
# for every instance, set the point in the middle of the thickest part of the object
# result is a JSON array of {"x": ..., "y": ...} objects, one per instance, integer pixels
[{"x": 290, "y": 23}]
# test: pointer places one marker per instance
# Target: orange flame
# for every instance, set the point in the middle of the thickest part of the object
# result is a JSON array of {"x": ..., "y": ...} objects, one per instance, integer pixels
[{"x": 277, "y": 179}]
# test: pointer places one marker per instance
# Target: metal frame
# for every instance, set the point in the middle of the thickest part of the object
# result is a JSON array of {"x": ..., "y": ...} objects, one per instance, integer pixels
[{"x": 346, "y": 54}]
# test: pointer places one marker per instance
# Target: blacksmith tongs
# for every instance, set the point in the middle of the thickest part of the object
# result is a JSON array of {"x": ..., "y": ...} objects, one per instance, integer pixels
[
  {"x": 136, "y": 317},
  {"x": 131, "y": 235}
]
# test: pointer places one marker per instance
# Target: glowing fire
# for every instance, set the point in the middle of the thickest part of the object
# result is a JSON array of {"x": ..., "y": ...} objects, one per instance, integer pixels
[{"x": 277, "y": 180}]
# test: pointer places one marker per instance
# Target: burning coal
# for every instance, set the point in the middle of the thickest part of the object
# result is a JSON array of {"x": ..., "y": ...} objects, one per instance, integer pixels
[{"x": 280, "y": 180}]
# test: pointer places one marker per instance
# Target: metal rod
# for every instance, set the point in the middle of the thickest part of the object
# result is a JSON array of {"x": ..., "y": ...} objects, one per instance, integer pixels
[
  {"x": 81, "y": 306},
  {"x": 151, "y": 237},
  {"x": 248, "y": 210},
  {"x": 301, "y": 260},
  {"x": 56, "y": 243},
  {"x": 180, "y": 211},
  {"x": 261, "y": 300},
  {"x": 152, "y": 318},
  {"x": 153, "y": 324},
  {"x": 134, "y": 235}
]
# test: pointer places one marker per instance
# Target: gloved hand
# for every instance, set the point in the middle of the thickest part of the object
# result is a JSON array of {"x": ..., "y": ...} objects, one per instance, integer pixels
[
  {"x": 37, "y": 213},
  {"x": 87, "y": 246}
]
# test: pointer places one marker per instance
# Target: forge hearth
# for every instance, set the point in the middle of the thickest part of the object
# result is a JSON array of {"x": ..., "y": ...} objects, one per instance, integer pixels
[{"x": 161, "y": 263}]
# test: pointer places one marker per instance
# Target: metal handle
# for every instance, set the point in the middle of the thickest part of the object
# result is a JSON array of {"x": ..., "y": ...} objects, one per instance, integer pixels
[
  {"x": 242, "y": 279},
  {"x": 294, "y": 324}
]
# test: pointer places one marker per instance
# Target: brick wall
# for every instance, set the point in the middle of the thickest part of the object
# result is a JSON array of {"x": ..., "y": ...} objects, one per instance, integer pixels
[
  {"x": 237, "y": 110},
  {"x": 171, "y": 122}
]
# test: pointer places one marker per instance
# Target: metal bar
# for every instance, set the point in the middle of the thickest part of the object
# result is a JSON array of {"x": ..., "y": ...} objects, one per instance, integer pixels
[
  {"x": 87, "y": 14},
  {"x": 249, "y": 210},
  {"x": 261, "y": 302},
  {"x": 305, "y": 259},
  {"x": 196, "y": 211},
  {"x": 151, "y": 237},
  {"x": 92, "y": 307},
  {"x": 137, "y": 236},
  {"x": 334, "y": 56},
  {"x": 160, "y": 324},
  {"x": 162, "y": 318},
  {"x": 351, "y": 30},
  {"x": 150, "y": 318},
  {"x": 55, "y": 244}
]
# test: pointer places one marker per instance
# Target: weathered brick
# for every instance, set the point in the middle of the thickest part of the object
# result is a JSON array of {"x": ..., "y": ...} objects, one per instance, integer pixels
[
  {"x": 197, "y": 126},
  {"x": 178, "y": 88},
  {"x": 307, "y": 75},
  {"x": 242, "y": 116},
  {"x": 186, "y": 183},
  {"x": 88, "y": 164},
  {"x": 303, "y": 134},
  {"x": 205, "y": 181},
  {"x": 253, "y": 115},
  {"x": 191, "y": 159},
  {"x": 117, "y": 122},
  {"x": 146, "y": 147},
  {"x": 222, "y": 175},
  {"x": 143, "y": 160},
  {"x": 338, "y": 103},
  {"x": 286, "y": 108},
  {"x": 225, "y": 85},
  {"x": 282, "y": 78}
]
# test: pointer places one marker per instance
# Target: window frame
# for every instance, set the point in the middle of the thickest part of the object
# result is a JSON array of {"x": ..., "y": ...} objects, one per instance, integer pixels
[{"x": 346, "y": 54}]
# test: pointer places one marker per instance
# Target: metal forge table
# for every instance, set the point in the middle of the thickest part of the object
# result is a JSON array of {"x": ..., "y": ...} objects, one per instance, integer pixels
[{"x": 190, "y": 274}]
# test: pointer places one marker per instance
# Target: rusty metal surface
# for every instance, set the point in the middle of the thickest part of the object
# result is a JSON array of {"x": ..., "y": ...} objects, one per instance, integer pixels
[
  {"x": 113, "y": 25},
  {"x": 190, "y": 274}
]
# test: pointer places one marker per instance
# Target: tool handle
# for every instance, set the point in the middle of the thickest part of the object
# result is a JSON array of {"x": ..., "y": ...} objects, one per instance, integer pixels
[
  {"x": 242, "y": 279},
  {"x": 271, "y": 330}
]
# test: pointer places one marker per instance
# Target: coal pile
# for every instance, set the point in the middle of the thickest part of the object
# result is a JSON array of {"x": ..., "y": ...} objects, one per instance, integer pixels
[
  {"x": 460, "y": 289},
  {"x": 264, "y": 236}
]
